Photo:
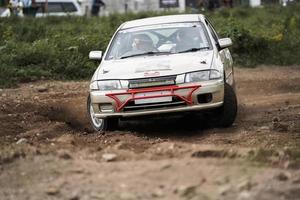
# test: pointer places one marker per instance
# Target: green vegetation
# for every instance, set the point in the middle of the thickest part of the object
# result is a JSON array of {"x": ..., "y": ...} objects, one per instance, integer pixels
[{"x": 57, "y": 48}]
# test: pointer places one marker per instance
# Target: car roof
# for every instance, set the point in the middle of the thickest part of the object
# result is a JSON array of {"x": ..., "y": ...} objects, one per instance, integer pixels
[{"x": 163, "y": 20}]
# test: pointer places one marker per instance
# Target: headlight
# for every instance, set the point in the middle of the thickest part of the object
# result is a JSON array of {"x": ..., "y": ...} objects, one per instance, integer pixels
[
  {"x": 108, "y": 85},
  {"x": 197, "y": 76},
  {"x": 94, "y": 85},
  {"x": 204, "y": 75},
  {"x": 215, "y": 74}
]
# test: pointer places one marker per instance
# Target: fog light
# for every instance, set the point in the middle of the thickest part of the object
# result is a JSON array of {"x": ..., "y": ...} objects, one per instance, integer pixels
[
  {"x": 108, "y": 108},
  {"x": 204, "y": 98}
]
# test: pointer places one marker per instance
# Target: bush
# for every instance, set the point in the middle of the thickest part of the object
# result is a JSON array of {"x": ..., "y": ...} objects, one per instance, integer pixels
[
  {"x": 58, "y": 47},
  {"x": 261, "y": 35}
]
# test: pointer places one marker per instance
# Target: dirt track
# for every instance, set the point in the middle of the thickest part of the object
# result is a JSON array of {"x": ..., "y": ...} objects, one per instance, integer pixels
[{"x": 48, "y": 150}]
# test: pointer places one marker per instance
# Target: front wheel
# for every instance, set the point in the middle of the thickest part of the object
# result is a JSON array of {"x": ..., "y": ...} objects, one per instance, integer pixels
[
  {"x": 105, "y": 124},
  {"x": 226, "y": 114}
]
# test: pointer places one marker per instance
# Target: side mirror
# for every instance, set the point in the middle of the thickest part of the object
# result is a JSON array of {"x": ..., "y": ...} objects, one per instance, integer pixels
[
  {"x": 95, "y": 55},
  {"x": 224, "y": 43}
]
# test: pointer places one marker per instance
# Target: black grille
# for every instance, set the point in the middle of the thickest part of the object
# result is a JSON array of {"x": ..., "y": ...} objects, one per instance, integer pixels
[{"x": 152, "y": 82}]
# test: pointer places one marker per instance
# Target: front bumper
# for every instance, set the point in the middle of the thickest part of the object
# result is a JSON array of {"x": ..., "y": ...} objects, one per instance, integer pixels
[{"x": 185, "y": 97}]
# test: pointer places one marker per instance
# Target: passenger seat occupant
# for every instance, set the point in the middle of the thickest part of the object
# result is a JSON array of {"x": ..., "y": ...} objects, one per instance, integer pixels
[{"x": 187, "y": 38}]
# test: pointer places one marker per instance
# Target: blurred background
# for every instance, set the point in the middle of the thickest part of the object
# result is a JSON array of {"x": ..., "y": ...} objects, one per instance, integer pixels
[
  {"x": 106, "y": 7},
  {"x": 51, "y": 39}
]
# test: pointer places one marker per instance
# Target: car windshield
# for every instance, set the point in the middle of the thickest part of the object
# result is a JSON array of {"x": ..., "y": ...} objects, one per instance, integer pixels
[{"x": 159, "y": 40}]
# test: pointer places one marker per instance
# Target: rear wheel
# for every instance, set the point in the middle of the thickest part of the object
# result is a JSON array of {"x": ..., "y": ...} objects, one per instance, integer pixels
[
  {"x": 226, "y": 114},
  {"x": 104, "y": 124}
]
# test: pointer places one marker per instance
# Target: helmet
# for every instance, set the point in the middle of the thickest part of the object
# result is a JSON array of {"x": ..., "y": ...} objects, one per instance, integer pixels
[{"x": 142, "y": 42}]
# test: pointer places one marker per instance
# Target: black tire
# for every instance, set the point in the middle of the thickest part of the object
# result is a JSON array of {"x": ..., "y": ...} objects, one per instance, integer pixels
[
  {"x": 106, "y": 124},
  {"x": 226, "y": 114}
]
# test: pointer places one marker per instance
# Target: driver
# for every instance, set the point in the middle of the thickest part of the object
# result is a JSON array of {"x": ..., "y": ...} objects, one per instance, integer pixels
[{"x": 143, "y": 42}]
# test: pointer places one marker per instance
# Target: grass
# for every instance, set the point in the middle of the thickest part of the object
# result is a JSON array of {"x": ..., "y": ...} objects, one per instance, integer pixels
[{"x": 58, "y": 47}]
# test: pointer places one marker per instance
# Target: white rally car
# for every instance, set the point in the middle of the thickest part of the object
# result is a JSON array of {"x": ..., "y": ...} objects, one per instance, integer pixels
[{"x": 167, "y": 64}]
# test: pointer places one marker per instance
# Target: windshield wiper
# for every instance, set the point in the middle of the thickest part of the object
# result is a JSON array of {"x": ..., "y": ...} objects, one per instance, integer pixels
[
  {"x": 146, "y": 53},
  {"x": 193, "y": 49}
]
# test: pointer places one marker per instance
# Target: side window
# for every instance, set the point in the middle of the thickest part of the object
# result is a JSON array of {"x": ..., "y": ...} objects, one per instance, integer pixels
[
  {"x": 54, "y": 7},
  {"x": 212, "y": 31},
  {"x": 69, "y": 7}
]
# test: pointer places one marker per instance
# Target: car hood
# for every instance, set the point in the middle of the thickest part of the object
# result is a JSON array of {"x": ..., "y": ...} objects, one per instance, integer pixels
[{"x": 153, "y": 66}]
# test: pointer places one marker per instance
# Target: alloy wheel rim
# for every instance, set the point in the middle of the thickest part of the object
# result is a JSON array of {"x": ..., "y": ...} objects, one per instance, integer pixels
[{"x": 96, "y": 121}]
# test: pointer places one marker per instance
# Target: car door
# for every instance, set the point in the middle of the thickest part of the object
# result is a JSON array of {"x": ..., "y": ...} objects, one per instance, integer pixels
[{"x": 224, "y": 55}]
